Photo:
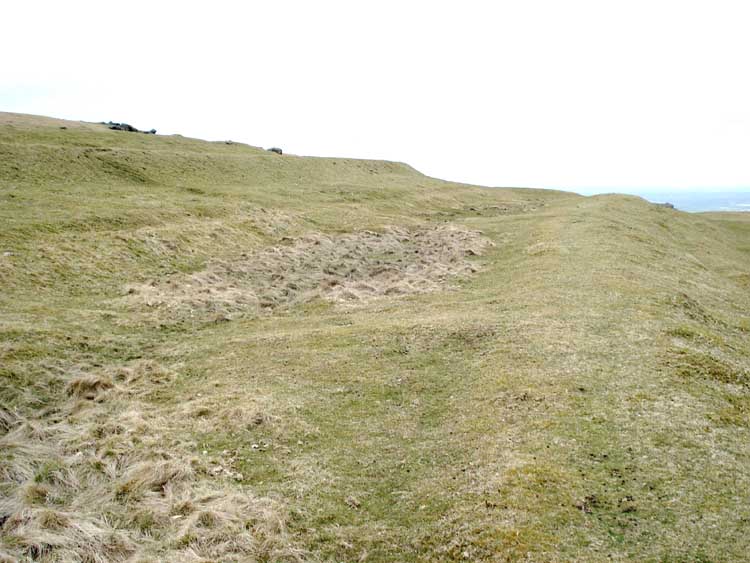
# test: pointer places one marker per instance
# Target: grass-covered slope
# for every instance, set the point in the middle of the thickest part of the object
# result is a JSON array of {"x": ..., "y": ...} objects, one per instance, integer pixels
[{"x": 213, "y": 352}]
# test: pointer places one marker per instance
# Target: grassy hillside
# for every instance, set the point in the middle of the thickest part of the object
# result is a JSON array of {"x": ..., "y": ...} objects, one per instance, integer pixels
[{"x": 210, "y": 352}]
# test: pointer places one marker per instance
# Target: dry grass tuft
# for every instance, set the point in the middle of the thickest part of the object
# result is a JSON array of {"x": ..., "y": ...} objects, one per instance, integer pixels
[
  {"x": 142, "y": 371},
  {"x": 233, "y": 527},
  {"x": 8, "y": 420},
  {"x": 239, "y": 418},
  {"x": 25, "y": 448},
  {"x": 154, "y": 477},
  {"x": 96, "y": 484},
  {"x": 81, "y": 508},
  {"x": 352, "y": 267},
  {"x": 46, "y": 535},
  {"x": 89, "y": 386}
]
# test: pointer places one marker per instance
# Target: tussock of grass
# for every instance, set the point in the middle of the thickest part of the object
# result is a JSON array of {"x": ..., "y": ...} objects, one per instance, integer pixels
[
  {"x": 88, "y": 387},
  {"x": 99, "y": 485},
  {"x": 152, "y": 477},
  {"x": 45, "y": 535},
  {"x": 229, "y": 526},
  {"x": 7, "y": 420},
  {"x": 350, "y": 267},
  {"x": 142, "y": 373}
]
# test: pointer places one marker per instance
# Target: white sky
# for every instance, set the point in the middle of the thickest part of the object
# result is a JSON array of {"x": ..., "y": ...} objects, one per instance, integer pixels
[{"x": 571, "y": 94}]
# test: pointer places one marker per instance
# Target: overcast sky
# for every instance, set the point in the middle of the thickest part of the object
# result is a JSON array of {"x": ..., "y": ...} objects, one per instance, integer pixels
[{"x": 571, "y": 94}]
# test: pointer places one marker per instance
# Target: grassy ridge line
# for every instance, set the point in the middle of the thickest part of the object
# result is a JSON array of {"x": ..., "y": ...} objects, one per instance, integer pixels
[
  {"x": 638, "y": 435},
  {"x": 37, "y": 149}
]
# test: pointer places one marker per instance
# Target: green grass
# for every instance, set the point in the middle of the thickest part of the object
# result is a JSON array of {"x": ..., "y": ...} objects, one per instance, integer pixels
[{"x": 582, "y": 397}]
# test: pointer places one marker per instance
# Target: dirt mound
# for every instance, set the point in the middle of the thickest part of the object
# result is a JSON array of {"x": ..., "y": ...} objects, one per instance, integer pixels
[{"x": 348, "y": 267}]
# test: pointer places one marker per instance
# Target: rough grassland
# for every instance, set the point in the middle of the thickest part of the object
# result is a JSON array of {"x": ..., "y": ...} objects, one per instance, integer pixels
[{"x": 209, "y": 352}]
